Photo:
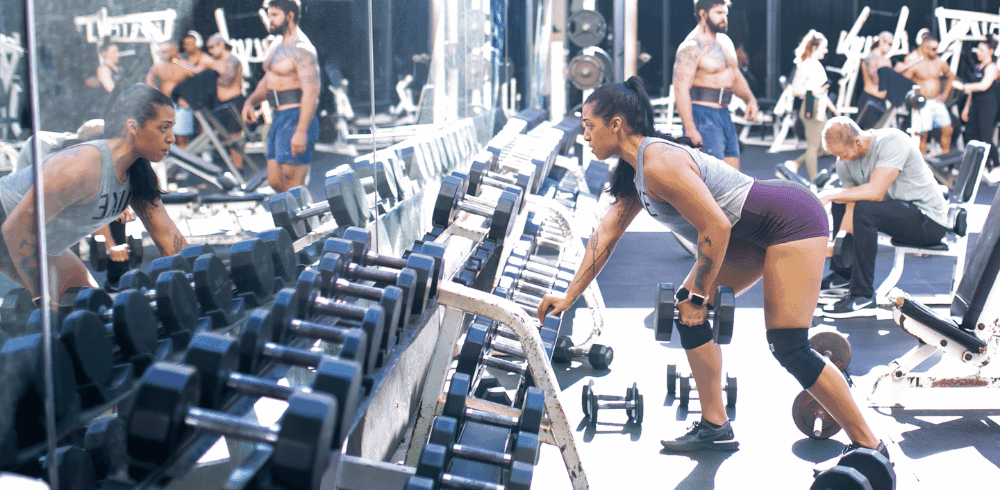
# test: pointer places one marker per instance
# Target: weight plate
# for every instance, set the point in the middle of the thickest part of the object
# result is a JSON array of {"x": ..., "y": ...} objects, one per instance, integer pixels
[
  {"x": 832, "y": 345},
  {"x": 725, "y": 314},
  {"x": 586, "y": 72},
  {"x": 663, "y": 322},
  {"x": 731, "y": 391},
  {"x": 585, "y": 398},
  {"x": 586, "y": 28},
  {"x": 671, "y": 380},
  {"x": 805, "y": 410}
]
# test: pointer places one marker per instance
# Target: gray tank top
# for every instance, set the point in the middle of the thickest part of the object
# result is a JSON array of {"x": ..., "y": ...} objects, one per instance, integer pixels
[
  {"x": 728, "y": 186},
  {"x": 79, "y": 220}
]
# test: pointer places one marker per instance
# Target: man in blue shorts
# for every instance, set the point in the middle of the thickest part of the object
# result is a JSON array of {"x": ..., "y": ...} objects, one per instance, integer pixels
[
  {"x": 934, "y": 77},
  {"x": 706, "y": 75},
  {"x": 291, "y": 85}
]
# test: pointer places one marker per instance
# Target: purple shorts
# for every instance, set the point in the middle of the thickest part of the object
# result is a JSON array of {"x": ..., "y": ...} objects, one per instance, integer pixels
[{"x": 780, "y": 211}]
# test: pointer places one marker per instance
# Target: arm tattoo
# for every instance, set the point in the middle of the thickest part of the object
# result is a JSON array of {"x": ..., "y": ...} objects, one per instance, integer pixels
[
  {"x": 229, "y": 73},
  {"x": 307, "y": 59},
  {"x": 624, "y": 213},
  {"x": 705, "y": 266}
]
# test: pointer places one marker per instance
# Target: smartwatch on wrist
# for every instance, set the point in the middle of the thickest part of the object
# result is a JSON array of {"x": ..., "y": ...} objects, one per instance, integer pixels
[{"x": 684, "y": 294}]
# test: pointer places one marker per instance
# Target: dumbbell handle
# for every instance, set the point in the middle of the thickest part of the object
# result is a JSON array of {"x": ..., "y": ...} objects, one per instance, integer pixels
[
  {"x": 224, "y": 424},
  {"x": 344, "y": 286},
  {"x": 617, "y": 404},
  {"x": 288, "y": 355},
  {"x": 525, "y": 299},
  {"x": 318, "y": 208},
  {"x": 362, "y": 272},
  {"x": 384, "y": 261},
  {"x": 610, "y": 398},
  {"x": 818, "y": 426},
  {"x": 480, "y": 454},
  {"x": 475, "y": 208},
  {"x": 329, "y": 306},
  {"x": 257, "y": 386},
  {"x": 455, "y": 481},
  {"x": 491, "y": 418},
  {"x": 504, "y": 365},
  {"x": 312, "y": 330}
]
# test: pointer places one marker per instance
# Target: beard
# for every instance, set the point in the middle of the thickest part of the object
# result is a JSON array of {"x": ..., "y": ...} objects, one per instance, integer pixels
[
  {"x": 279, "y": 29},
  {"x": 720, "y": 28}
]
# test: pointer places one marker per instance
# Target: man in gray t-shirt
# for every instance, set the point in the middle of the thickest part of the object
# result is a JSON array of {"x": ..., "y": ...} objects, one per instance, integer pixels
[{"x": 887, "y": 188}]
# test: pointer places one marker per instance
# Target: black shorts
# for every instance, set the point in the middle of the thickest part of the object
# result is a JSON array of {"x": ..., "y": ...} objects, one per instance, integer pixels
[
  {"x": 227, "y": 113},
  {"x": 780, "y": 211}
]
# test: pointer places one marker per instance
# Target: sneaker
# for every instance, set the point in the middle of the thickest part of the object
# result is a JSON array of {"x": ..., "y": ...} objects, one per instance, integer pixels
[
  {"x": 851, "y": 306},
  {"x": 702, "y": 436},
  {"x": 834, "y": 281}
]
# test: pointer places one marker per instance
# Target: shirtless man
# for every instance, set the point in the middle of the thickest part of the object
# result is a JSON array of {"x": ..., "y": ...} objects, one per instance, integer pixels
[
  {"x": 229, "y": 89},
  {"x": 878, "y": 58},
  {"x": 927, "y": 71},
  {"x": 706, "y": 75},
  {"x": 191, "y": 43},
  {"x": 164, "y": 76},
  {"x": 291, "y": 86}
]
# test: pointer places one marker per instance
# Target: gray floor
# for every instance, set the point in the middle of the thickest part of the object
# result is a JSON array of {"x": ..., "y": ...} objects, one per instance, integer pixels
[{"x": 931, "y": 449}]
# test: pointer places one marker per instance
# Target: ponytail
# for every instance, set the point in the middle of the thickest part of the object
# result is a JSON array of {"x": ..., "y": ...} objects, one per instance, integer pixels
[{"x": 630, "y": 101}]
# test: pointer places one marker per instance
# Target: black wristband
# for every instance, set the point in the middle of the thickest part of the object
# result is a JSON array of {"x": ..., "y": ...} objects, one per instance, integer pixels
[{"x": 683, "y": 294}]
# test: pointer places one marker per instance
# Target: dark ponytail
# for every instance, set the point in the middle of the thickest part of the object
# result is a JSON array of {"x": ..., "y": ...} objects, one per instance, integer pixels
[
  {"x": 139, "y": 103},
  {"x": 630, "y": 101}
]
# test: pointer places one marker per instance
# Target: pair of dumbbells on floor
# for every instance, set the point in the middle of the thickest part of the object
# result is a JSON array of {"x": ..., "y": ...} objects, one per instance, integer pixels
[
  {"x": 681, "y": 386},
  {"x": 593, "y": 403},
  {"x": 518, "y": 463}
]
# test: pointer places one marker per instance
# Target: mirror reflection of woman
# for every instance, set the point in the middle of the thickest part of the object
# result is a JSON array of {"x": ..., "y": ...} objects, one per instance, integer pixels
[
  {"x": 980, "y": 110},
  {"x": 86, "y": 187}
]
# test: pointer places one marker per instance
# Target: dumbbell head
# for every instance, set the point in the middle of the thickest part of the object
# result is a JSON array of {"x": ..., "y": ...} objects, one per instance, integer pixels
[
  {"x": 284, "y": 210},
  {"x": 75, "y": 469},
  {"x": 176, "y": 303},
  {"x": 342, "y": 195},
  {"x": 86, "y": 339},
  {"x": 532, "y": 409},
  {"x": 104, "y": 441},
  {"x": 279, "y": 243},
  {"x": 873, "y": 465},
  {"x": 252, "y": 269},
  {"x": 635, "y": 411},
  {"x": 14, "y": 311},
  {"x": 131, "y": 316},
  {"x": 257, "y": 331},
  {"x": 23, "y": 357},
  {"x": 445, "y": 431},
  {"x": 450, "y": 199}
]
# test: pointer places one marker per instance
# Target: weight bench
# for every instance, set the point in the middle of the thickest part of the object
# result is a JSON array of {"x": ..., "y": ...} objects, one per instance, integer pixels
[
  {"x": 214, "y": 174},
  {"x": 969, "y": 335},
  {"x": 954, "y": 244}
]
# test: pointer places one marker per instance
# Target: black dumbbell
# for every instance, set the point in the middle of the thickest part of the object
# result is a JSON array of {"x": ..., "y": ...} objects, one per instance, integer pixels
[
  {"x": 474, "y": 354},
  {"x": 22, "y": 358},
  {"x": 356, "y": 244},
  {"x": 128, "y": 318},
  {"x": 75, "y": 469},
  {"x": 532, "y": 409},
  {"x": 431, "y": 474},
  {"x": 171, "y": 297},
  {"x": 250, "y": 264},
  {"x": 533, "y": 282},
  {"x": 548, "y": 331},
  {"x": 599, "y": 356},
  {"x": 685, "y": 384},
  {"x": 216, "y": 359},
  {"x": 86, "y": 340},
  {"x": 166, "y": 404},
  {"x": 14, "y": 311},
  {"x": 295, "y": 211},
  {"x": 811, "y": 418},
  {"x": 722, "y": 316},
  {"x": 557, "y": 270},
  {"x": 843, "y": 251},
  {"x": 631, "y": 403},
  {"x": 211, "y": 282},
  {"x": 858, "y": 469},
  {"x": 99, "y": 252},
  {"x": 452, "y": 198},
  {"x": 104, "y": 441},
  {"x": 480, "y": 175},
  {"x": 445, "y": 432},
  {"x": 256, "y": 345},
  {"x": 335, "y": 271},
  {"x": 279, "y": 243},
  {"x": 374, "y": 320}
]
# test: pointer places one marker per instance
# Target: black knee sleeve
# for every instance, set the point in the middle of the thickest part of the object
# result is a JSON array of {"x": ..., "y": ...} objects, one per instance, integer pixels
[
  {"x": 694, "y": 337},
  {"x": 790, "y": 346}
]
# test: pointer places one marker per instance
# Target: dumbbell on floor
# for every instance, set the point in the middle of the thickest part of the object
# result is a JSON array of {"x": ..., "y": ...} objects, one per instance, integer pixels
[
  {"x": 99, "y": 257},
  {"x": 632, "y": 403},
  {"x": 431, "y": 474},
  {"x": 722, "y": 317},
  {"x": 216, "y": 359},
  {"x": 687, "y": 385},
  {"x": 452, "y": 198},
  {"x": 166, "y": 404},
  {"x": 811, "y": 418},
  {"x": 858, "y": 469},
  {"x": 599, "y": 356},
  {"x": 374, "y": 320}
]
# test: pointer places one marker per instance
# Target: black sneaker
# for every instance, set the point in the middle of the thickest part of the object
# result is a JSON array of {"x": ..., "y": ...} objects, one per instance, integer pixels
[
  {"x": 881, "y": 448},
  {"x": 702, "y": 436},
  {"x": 834, "y": 281},
  {"x": 851, "y": 306}
]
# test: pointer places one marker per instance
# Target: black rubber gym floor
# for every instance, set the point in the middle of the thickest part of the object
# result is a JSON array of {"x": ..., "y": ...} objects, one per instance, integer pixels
[{"x": 931, "y": 449}]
